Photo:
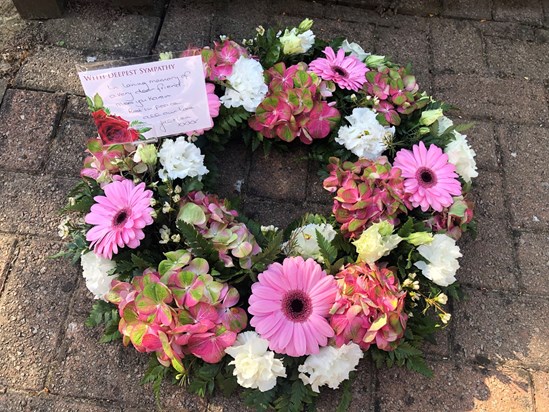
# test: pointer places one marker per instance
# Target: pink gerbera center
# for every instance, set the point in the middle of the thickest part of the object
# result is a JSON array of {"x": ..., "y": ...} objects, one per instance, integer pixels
[
  {"x": 120, "y": 218},
  {"x": 426, "y": 177},
  {"x": 297, "y": 305}
]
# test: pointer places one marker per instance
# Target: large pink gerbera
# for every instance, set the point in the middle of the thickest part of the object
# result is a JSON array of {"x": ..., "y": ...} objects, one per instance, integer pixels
[
  {"x": 347, "y": 72},
  {"x": 119, "y": 217},
  {"x": 429, "y": 178},
  {"x": 290, "y": 303}
]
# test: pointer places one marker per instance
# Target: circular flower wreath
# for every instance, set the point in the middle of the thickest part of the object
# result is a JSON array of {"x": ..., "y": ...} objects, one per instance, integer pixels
[{"x": 220, "y": 301}]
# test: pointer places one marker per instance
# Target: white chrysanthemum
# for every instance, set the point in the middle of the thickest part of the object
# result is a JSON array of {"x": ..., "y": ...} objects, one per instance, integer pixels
[
  {"x": 304, "y": 242},
  {"x": 95, "y": 270},
  {"x": 460, "y": 154},
  {"x": 180, "y": 159},
  {"x": 254, "y": 365},
  {"x": 376, "y": 241},
  {"x": 295, "y": 43},
  {"x": 442, "y": 254},
  {"x": 365, "y": 136},
  {"x": 247, "y": 85},
  {"x": 355, "y": 50},
  {"x": 330, "y": 366}
]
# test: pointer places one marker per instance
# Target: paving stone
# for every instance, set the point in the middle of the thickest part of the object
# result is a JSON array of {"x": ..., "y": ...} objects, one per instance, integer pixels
[
  {"x": 88, "y": 27},
  {"x": 491, "y": 327},
  {"x": 507, "y": 30},
  {"x": 27, "y": 123},
  {"x": 54, "y": 69},
  {"x": 19, "y": 402},
  {"x": 233, "y": 165},
  {"x": 454, "y": 387},
  {"x": 481, "y": 97},
  {"x": 468, "y": 9},
  {"x": 419, "y": 7},
  {"x": 527, "y": 11},
  {"x": 465, "y": 55},
  {"x": 31, "y": 204},
  {"x": 533, "y": 258},
  {"x": 67, "y": 152},
  {"x": 541, "y": 390},
  {"x": 361, "y": 33},
  {"x": 3, "y": 87},
  {"x": 176, "y": 398},
  {"x": 518, "y": 58},
  {"x": 88, "y": 368},
  {"x": 32, "y": 307},
  {"x": 186, "y": 24},
  {"x": 280, "y": 175},
  {"x": 315, "y": 190},
  {"x": 524, "y": 151},
  {"x": 269, "y": 212},
  {"x": 441, "y": 347},
  {"x": 78, "y": 108},
  {"x": 6, "y": 254},
  {"x": 482, "y": 138},
  {"x": 231, "y": 403}
]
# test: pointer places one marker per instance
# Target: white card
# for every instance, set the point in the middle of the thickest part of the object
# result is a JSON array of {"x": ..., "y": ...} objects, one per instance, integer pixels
[{"x": 157, "y": 99}]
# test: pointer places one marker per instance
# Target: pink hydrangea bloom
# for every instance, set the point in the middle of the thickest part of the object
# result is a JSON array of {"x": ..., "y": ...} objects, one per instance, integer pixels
[
  {"x": 289, "y": 305},
  {"x": 347, "y": 72},
  {"x": 369, "y": 307},
  {"x": 430, "y": 179},
  {"x": 119, "y": 217}
]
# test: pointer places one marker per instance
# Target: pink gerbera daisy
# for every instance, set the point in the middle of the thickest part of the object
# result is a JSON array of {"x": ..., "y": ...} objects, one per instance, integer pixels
[
  {"x": 119, "y": 217},
  {"x": 429, "y": 178},
  {"x": 347, "y": 72},
  {"x": 290, "y": 303}
]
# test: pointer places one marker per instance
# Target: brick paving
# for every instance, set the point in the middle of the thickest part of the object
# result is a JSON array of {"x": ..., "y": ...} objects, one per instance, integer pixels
[{"x": 488, "y": 57}]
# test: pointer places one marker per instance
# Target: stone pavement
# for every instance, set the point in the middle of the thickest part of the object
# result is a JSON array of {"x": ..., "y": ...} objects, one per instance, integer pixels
[{"x": 488, "y": 57}]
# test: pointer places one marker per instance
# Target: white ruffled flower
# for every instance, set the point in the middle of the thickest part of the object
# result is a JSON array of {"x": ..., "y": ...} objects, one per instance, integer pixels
[
  {"x": 443, "y": 124},
  {"x": 95, "y": 270},
  {"x": 180, "y": 159},
  {"x": 365, "y": 136},
  {"x": 254, "y": 365},
  {"x": 330, "y": 366},
  {"x": 247, "y": 86},
  {"x": 461, "y": 155},
  {"x": 304, "y": 241},
  {"x": 376, "y": 241},
  {"x": 442, "y": 254},
  {"x": 355, "y": 50},
  {"x": 294, "y": 42}
]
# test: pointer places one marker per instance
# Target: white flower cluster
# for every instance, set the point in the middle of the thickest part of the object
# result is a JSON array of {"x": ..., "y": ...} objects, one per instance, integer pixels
[
  {"x": 294, "y": 42},
  {"x": 246, "y": 87},
  {"x": 254, "y": 365},
  {"x": 460, "y": 154},
  {"x": 303, "y": 240},
  {"x": 365, "y": 136},
  {"x": 180, "y": 159},
  {"x": 442, "y": 254},
  {"x": 330, "y": 366},
  {"x": 95, "y": 270}
]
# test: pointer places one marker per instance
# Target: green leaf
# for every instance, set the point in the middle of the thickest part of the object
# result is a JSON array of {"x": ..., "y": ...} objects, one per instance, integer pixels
[
  {"x": 269, "y": 254},
  {"x": 346, "y": 394},
  {"x": 155, "y": 374},
  {"x": 327, "y": 250},
  {"x": 199, "y": 244},
  {"x": 261, "y": 401}
]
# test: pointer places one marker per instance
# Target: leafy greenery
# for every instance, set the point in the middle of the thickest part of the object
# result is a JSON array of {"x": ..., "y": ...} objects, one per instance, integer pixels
[{"x": 105, "y": 314}]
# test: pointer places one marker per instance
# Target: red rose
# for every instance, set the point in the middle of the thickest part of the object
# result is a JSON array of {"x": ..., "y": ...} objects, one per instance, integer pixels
[{"x": 113, "y": 129}]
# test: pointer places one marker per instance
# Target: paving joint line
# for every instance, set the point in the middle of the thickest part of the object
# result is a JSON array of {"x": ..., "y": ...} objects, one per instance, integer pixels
[
  {"x": 160, "y": 26},
  {"x": 14, "y": 254}
]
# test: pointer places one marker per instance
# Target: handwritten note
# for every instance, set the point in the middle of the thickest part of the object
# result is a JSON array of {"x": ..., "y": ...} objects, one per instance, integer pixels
[{"x": 164, "y": 98}]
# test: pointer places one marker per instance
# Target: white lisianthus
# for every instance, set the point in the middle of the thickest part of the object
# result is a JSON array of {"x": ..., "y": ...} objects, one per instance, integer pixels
[
  {"x": 180, "y": 159},
  {"x": 330, "y": 366},
  {"x": 376, "y": 241},
  {"x": 355, "y": 50},
  {"x": 365, "y": 136},
  {"x": 247, "y": 86},
  {"x": 443, "y": 123},
  {"x": 442, "y": 254},
  {"x": 95, "y": 270},
  {"x": 461, "y": 155},
  {"x": 294, "y": 42},
  {"x": 303, "y": 240},
  {"x": 254, "y": 365}
]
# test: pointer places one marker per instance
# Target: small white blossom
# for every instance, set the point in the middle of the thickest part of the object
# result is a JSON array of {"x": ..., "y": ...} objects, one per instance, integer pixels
[
  {"x": 96, "y": 272},
  {"x": 254, "y": 365},
  {"x": 63, "y": 229},
  {"x": 445, "y": 317},
  {"x": 152, "y": 202},
  {"x": 176, "y": 238},
  {"x": 246, "y": 87},
  {"x": 267, "y": 229},
  {"x": 177, "y": 189},
  {"x": 442, "y": 299},
  {"x": 330, "y": 366},
  {"x": 164, "y": 234},
  {"x": 365, "y": 136},
  {"x": 176, "y": 198},
  {"x": 180, "y": 159},
  {"x": 166, "y": 208},
  {"x": 442, "y": 254}
]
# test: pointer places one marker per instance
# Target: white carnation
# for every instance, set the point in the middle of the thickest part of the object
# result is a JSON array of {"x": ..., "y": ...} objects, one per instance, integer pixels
[
  {"x": 304, "y": 241},
  {"x": 461, "y": 155},
  {"x": 330, "y": 366},
  {"x": 254, "y": 365},
  {"x": 365, "y": 136},
  {"x": 442, "y": 254},
  {"x": 295, "y": 43},
  {"x": 355, "y": 50},
  {"x": 95, "y": 270},
  {"x": 247, "y": 86},
  {"x": 180, "y": 159}
]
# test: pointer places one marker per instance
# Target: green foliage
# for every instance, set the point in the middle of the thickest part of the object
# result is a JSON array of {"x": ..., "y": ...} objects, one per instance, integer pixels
[
  {"x": 261, "y": 401},
  {"x": 106, "y": 314},
  {"x": 201, "y": 246},
  {"x": 228, "y": 121},
  {"x": 203, "y": 378},
  {"x": 155, "y": 374},
  {"x": 346, "y": 393},
  {"x": 327, "y": 251},
  {"x": 74, "y": 249},
  {"x": 269, "y": 253},
  {"x": 405, "y": 354},
  {"x": 294, "y": 397},
  {"x": 81, "y": 196}
]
